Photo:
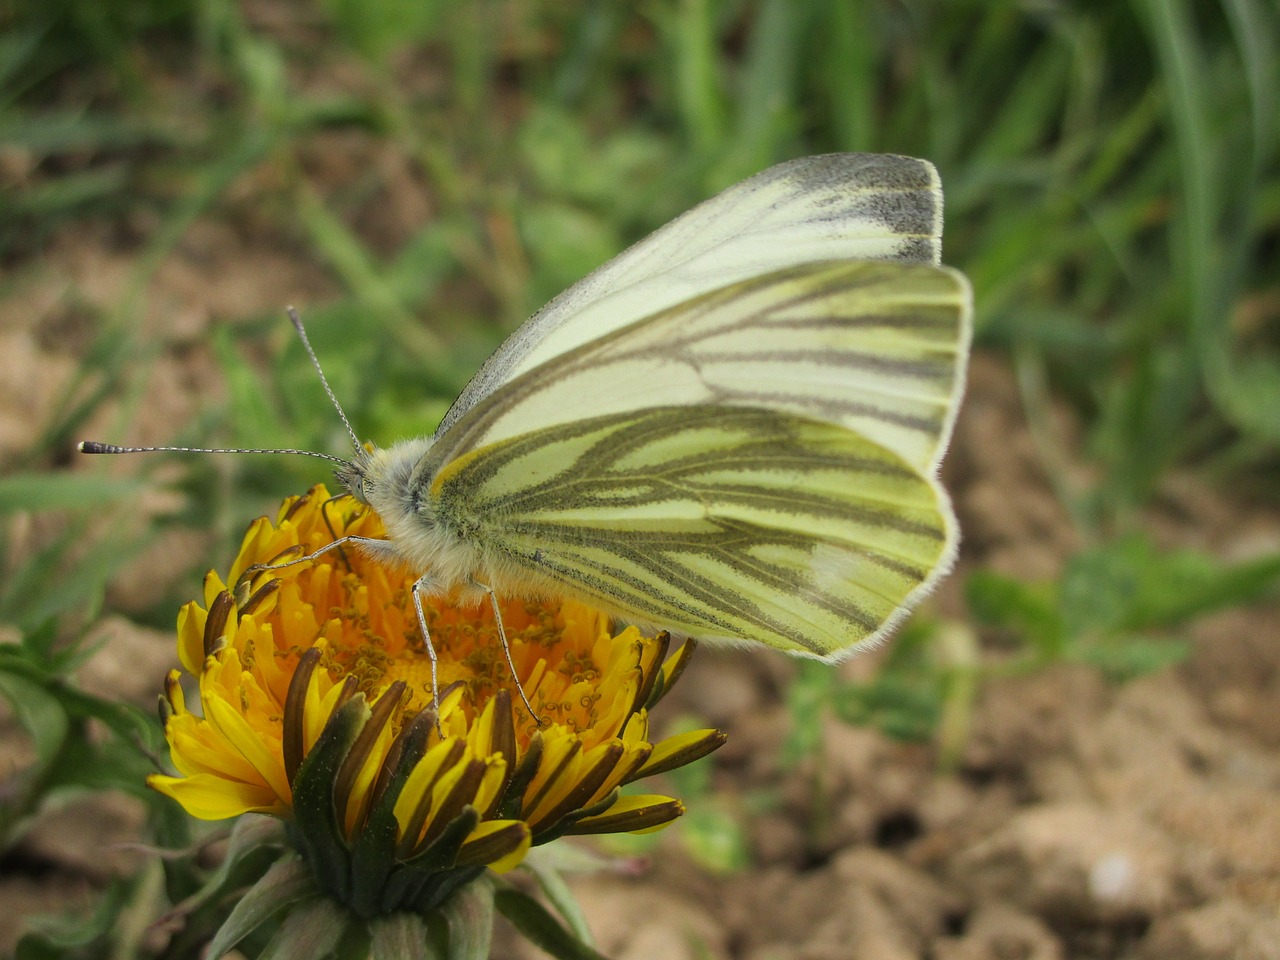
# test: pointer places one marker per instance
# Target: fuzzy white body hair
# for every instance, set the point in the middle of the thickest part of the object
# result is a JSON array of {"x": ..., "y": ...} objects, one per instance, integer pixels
[{"x": 446, "y": 552}]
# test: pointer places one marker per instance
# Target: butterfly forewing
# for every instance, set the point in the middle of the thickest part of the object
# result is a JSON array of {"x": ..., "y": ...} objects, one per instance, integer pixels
[
  {"x": 723, "y": 522},
  {"x": 877, "y": 348},
  {"x": 848, "y": 206}
]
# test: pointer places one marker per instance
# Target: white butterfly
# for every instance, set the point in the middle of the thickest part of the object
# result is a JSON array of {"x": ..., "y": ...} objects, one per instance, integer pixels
[{"x": 732, "y": 430}]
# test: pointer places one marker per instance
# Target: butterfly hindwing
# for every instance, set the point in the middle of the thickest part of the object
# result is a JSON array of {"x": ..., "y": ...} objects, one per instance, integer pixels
[{"x": 722, "y": 522}]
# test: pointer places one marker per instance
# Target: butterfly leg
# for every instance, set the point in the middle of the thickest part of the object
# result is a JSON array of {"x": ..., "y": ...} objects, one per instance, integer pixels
[
  {"x": 324, "y": 513},
  {"x": 369, "y": 544},
  {"x": 419, "y": 585},
  {"x": 506, "y": 648}
]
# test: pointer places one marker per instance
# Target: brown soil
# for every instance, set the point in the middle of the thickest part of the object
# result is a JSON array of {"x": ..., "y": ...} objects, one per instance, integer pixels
[{"x": 1085, "y": 819}]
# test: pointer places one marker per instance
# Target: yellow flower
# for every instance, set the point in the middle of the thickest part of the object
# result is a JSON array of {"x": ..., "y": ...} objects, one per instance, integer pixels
[{"x": 316, "y": 706}]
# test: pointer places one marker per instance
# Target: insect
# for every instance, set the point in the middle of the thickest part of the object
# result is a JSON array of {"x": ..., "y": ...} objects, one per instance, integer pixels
[{"x": 731, "y": 431}]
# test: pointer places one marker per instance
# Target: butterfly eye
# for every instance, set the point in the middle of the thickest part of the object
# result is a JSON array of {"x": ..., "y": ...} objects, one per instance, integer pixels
[{"x": 351, "y": 476}]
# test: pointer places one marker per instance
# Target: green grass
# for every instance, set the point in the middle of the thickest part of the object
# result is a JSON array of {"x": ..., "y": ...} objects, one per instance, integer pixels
[{"x": 1112, "y": 187}]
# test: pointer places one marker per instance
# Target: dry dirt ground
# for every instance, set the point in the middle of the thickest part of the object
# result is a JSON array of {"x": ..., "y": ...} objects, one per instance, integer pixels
[{"x": 1085, "y": 820}]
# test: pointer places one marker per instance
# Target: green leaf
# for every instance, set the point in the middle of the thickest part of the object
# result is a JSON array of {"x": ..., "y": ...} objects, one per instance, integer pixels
[
  {"x": 45, "y": 720},
  {"x": 377, "y": 28},
  {"x": 767, "y": 102},
  {"x": 691, "y": 35},
  {"x": 68, "y": 937},
  {"x": 565, "y": 242},
  {"x": 1129, "y": 585},
  {"x": 61, "y": 576},
  {"x": 40, "y": 713},
  {"x": 715, "y": 838},
  {"x": 1213, "y": 231},
  {"x": 251, "y": 837},
  {"x": 64, "y": 491},
  {"x": 558, "y": 892},
  {"x": 541, "y": 928},
  {"x": 1029, "y": 608},
  {"x": 904, "y": 705},
  {"x": 286, "y": 883},
  {"x": 1125, "y": 657},
  {"x": 810, "y": 691}
]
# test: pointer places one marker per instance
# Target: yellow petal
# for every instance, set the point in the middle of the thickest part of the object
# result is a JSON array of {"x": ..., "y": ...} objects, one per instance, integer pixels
[
  {"x": 191, "y": 620},
  {"x": 209, "y": 797},
  {"x": 680, "y": 749},
  {"x": 423, "y": 778},
  {"x": 641, "y": 813},
  {"x": 251, "y": 745}
]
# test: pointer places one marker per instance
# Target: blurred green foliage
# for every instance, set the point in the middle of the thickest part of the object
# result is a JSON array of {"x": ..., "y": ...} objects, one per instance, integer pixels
[
  {"x": 1118, "y": 605},
  {"x": 1112, "y": 188}
]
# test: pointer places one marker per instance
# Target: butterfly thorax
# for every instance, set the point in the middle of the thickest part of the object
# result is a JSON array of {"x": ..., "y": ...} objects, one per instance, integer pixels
[{"x": 396, "y": 483}]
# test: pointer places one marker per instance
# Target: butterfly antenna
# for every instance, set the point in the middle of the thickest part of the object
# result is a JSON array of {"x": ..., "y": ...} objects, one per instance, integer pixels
[
  {"x": 93, "y": 446},
  {"x": 324, "y": 381}
]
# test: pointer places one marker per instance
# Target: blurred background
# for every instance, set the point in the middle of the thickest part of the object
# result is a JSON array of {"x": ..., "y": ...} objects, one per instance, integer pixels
[{"x": 1073, "y": 749}]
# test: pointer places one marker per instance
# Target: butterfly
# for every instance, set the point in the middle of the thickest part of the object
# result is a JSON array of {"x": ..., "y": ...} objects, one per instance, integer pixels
[{"x": 730, "y": 431}]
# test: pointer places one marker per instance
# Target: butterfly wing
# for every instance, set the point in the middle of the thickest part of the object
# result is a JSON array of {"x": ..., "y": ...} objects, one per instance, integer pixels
[
  {"x": 721, "y": 522},
  {"x": 756, "y": 464},
  {"x": 847, "y": 206},
  {"x": 878, "y": 348}
]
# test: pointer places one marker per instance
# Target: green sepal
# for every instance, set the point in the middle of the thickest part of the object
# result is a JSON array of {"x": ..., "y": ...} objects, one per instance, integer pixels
[
  {"x": 426, "y": 879},
  {"x": 469, "y": 913},
  {"x": 286, "y": 882},
  {"x": 400, "y": 936},
  {"x": 541, "y": 927},
  {"x": 313, "y": 930},
  {"x": 373, "y": 853},
  {"x": 315, "y": 817}
]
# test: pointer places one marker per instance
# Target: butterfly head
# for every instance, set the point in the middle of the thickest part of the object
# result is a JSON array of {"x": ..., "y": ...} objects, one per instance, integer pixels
[
  {"x": 354, "y": 473},
  {"x": 383, "y": 478}
]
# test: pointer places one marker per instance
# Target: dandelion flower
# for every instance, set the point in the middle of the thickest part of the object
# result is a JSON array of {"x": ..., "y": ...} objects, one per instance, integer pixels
[{"x": 316, "y": 707}]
